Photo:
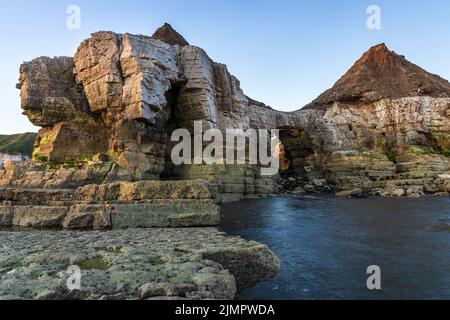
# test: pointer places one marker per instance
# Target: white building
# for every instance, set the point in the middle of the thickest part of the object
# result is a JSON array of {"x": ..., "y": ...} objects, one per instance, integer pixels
[{"x": 9, "y": 157}]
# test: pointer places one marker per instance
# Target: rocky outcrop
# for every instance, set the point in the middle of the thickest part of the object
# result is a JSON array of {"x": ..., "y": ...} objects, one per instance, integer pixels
[
  {"x": 53, "y": 100},
  {"x": 384, "y": 126},
  {"x": 145, "y": 204},
  {"x": 112, "y": 108},
  {"x": 49, "y": 93},
  {"x": 102, "y": 161},
  {"x": 108, "y": 113},
  {"x": 147, "y": 264},
  {"x": 372, "y": 145},
  {"x": 380, "y": 74},
  {"x": 125, "y": 95}
]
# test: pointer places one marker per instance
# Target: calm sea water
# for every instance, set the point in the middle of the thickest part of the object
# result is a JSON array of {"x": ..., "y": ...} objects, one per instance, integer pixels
[{"x": 326, "y": 244}]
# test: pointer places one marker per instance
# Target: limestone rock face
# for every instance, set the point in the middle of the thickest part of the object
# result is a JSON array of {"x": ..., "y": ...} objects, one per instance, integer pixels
[
  {"x": 133, "y": 92},
  {"x": 400, "y": 142},
  {"x": 97, "y": 69},
  {"x": 49, "y": 93},
  {"x": 66, "y": 141},
  {"x": 145, "y": 204},
  {"x": 102, "y": 161},
  {"x": 383, "y": 126},
  {"x": 120, "y": 98},
  {"x": 53, "y": 100},
  {"x": 149, "y": 68}
]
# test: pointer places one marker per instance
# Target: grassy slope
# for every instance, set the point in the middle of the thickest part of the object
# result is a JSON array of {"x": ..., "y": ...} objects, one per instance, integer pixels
[{"x": 17, "y": 143}]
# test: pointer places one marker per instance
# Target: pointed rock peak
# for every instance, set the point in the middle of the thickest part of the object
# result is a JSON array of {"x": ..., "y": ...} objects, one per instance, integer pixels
[
  {"x": 378, "y": 56},
  {"x": 169, "y": 35},
  {"x": 381, "y": 73},
  {"x": 378, "y": 49},
  {"x": 377, "y": 52}
]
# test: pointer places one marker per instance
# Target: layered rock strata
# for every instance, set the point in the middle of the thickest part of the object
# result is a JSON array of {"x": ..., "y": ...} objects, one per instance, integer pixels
[
  {"x": 112, "y": 108},
  {"x": 108, "y": 114},
  {"x": 145, "y": 204},
  {"x": 102, "y": 161},
  {"x": 384, "y": 126}
]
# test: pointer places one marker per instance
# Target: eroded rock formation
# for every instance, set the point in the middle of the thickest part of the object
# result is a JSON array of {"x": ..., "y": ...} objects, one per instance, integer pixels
[
  {"x": 107, "y": 115},
  {"x": 379, "y": 74},
  {"x": 383, "y": 127},
  {"x": 102, "y": 161}
]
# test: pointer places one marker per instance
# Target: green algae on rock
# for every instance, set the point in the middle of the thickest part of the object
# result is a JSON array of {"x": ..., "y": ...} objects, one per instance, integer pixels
[{"x": 193, "y": 263}]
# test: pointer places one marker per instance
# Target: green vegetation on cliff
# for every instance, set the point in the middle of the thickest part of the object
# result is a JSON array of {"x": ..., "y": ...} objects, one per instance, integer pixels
[
  {"x": 429, "y": 151},
  {"x": 17, "y": 143}
]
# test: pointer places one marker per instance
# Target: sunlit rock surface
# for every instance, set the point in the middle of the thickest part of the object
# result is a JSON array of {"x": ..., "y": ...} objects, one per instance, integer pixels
[
  {"x": 111, "y": 109},
  {"x": 193, "y": 263},
  {"x": 102, "y": 161}
]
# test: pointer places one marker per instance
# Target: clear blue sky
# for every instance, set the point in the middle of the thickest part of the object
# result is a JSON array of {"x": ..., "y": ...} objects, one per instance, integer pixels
[{"x": 285, "y": 52}]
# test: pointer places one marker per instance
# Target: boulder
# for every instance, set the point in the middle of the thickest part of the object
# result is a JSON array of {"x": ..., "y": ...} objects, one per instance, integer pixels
[
  {"x": 447, "y": 187},
  {"x": 155, "y": 289},
  {"x": 399, "y": 192},
  {"x": 37, "y": 216},
  {"x": 354, "y": 193},
  {"x": 88, "y": 217},
  {"x": 319, "y": 183},
  {"x": 415, "y": 192},
  {"x": 298, "y": 191},
  {"x": 430, "y": 188},
  {"x": 441, "y": 194}
]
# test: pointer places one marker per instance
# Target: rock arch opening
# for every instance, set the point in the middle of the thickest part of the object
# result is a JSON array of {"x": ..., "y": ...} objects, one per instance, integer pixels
[{"x": 296, "y": 151}]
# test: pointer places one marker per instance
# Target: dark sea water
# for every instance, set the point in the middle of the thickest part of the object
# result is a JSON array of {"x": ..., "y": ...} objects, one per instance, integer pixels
[{"x": 326, "y": 244}]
